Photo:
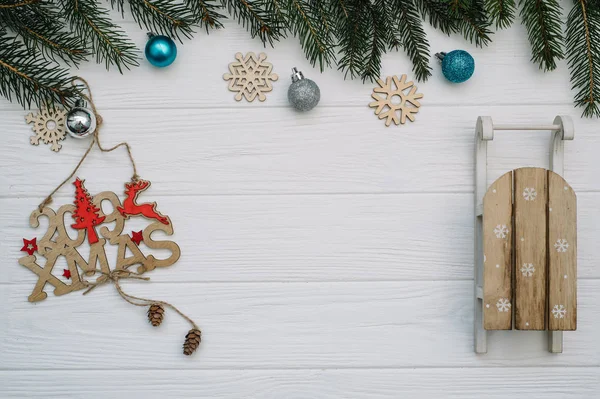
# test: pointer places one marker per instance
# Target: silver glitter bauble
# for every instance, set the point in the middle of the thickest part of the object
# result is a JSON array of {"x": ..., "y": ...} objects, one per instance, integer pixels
[
  {"x": 303, "y": 94},
  {"x": 81, "y": 122}
]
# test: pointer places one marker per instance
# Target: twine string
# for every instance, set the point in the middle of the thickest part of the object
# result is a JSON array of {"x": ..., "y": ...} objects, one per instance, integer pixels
[
  {"x": 118, "y": 274},
  {"x": 95, "y": 140}
]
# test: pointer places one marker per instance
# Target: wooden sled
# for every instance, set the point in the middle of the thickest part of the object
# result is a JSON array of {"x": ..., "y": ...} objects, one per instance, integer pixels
[{"x": 525, "y": 243}]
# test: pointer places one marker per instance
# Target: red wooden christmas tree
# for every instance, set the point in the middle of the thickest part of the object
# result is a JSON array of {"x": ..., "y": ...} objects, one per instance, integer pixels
[{"x": 86, "y": 213}]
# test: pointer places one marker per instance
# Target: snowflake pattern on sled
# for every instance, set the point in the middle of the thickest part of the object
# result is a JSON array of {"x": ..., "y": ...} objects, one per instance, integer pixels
[{"x": 250, "y": 76}]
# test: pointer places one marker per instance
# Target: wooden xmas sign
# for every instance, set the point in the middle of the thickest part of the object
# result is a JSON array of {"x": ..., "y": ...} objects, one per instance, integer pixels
[{"x": 91, "y": 223}]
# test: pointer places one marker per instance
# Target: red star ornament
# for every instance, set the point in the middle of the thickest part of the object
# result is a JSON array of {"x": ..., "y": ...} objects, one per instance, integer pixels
[
  {"x": 137, "y": 237},
  {"x": 29, "y": 246},
  {"x": 66, "y": 273}
]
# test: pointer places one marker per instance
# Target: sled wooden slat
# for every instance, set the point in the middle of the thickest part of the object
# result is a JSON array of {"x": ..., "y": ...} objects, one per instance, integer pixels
[
  {"x": 530, "y": 227},
  {"x": 562, "y": 256},
  {"x": 497, "y": 250}
]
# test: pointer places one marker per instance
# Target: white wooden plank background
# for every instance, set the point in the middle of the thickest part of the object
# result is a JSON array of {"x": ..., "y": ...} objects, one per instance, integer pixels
[{"x": 323, "y": 255}]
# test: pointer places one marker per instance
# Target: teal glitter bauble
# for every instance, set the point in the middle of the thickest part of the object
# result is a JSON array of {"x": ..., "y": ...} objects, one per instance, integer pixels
[
  {"x": 160, "y": 50},
  {"x": 457, "y": 66}
]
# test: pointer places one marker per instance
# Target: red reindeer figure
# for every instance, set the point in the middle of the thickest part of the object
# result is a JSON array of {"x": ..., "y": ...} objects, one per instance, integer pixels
[{"x": 130, "y": 208}]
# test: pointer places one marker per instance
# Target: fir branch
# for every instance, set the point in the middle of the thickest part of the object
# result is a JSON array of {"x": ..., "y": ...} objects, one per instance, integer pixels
[
  {"x": 278, "y": 8},
  {"x": 341, "y": 4},
  {"x": 325, "y": 15},
  {"x": 107, "y": 40},
  {"x": 473, "y": 21},
  {"x": 378, "y": 28},
  {"x": 583, "y": 55},
  {"x": 160, "y": 16},
  {"x": 30, "y": 79},
  {"x": 17, "y": 3},
  {"x": 253, "y": 16},
  {"x": 312, "y": 27},
  {"x": 353, "y": 36},
  {"x": 438, "y": 14},
  {"x": 501, "y": 12},
  {"x": 205, "y": 13},
  {"x": 544, "y": 28},
  {"x": 414, "y": 39},
  {"x": 41, "y": 30}
]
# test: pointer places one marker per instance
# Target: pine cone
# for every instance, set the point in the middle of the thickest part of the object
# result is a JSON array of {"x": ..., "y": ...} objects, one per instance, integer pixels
[
  {"x": 192, "y": 341},
  {"x": 156, "y": 313}
]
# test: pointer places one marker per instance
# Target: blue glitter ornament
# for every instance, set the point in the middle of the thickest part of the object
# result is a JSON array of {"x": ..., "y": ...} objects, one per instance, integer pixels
[
  {"x": 457, "y": 65},
  {"x": 160, "y": 50}
]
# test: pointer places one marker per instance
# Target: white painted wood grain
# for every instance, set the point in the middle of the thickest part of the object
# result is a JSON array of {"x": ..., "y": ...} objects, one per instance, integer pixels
[
  {"x": 323, "y": 255},
  {"x": 281, "y": 325},
  {"x": 466, "y": 383},
  {"x": 264, "y": 151},
  {"x": 299, "y": 238}
]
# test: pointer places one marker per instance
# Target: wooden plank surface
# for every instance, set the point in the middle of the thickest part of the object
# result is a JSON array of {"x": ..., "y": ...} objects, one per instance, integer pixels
[
  {"x": 497, "y": 258},
  {"x": 262, "y": 151},
  {"x": 444, "y": 383},
  {"x": 274, "y": 238},
  {"x": 324, "y": 255},
  {"x": 530, "y": 248},
  {"x": 562, "y": 256},
  {"x": 280, "y": 326}
]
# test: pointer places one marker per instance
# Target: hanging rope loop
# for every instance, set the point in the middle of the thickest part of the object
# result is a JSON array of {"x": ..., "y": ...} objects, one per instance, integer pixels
[{"x": 95, "y": 140}]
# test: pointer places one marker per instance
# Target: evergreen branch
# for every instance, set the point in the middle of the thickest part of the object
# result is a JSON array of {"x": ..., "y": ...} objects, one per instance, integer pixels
[
  {"x": 18, "y": 4},
  {"x": 473, "y": 21},
  {"x": 544, "y": 29},
  {"x": 353, "y": 36},
  {"x": 379, "y": 29},
  {"x": 255, "y": 19},
  {"x": 342, "y": 6},
  {"x": 583, "y": 55},
  {"x": 160, "y": 16},
  {"x": 31, "y": 79},
  {"x": 42, "y": 30},
  {"x": 312, "y": 27},
  {"x": 325, "y": 16},
  {"x": 501, "y": 12},
  {"x": 414, "y": 39},
  {"x": 205, "y": 13},
  {"x": 279, "y": 13},
  {"x": 439, "y": 15},
  {"x": 107, "y": 40}
]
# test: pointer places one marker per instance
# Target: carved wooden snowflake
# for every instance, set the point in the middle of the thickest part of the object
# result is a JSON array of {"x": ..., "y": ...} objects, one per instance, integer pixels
[
  {"x": 250, "y": 76},
  {"x": 397, "y": 104},
  {"x": 49, "y": 126}
]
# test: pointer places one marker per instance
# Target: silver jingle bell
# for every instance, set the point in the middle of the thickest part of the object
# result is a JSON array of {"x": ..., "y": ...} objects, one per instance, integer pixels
[{"x": 81, "y": 121}]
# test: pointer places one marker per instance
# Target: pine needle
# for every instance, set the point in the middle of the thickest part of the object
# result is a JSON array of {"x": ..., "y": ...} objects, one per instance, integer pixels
[
  {"x": 501, "y": 12},
  {"x": 308, "y": 23},
  {"x": 413, "y": 37},
  {"x": 544, "y": 28},
  {"x": 107, "y": 40},
  {"x": 30, "y": 79},
  {"x": 583, "y": 55}
]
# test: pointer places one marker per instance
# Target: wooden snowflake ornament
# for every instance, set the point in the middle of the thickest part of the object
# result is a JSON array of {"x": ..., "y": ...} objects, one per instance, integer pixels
[
  {"x": 399, "y": 100},
  {"x": 49, "y": 126},
  {"x": 250, "y": 76}
]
